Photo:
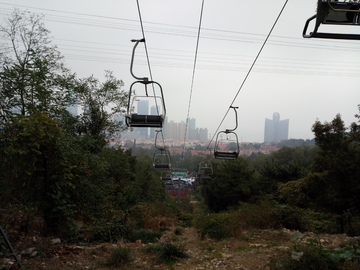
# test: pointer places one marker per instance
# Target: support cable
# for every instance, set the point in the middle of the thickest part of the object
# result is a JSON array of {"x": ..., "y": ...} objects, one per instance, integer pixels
[
  {"x": 193, "y": 74},
  {"x": 248, "y": 73},
  {"x": 148, "y": 63}
]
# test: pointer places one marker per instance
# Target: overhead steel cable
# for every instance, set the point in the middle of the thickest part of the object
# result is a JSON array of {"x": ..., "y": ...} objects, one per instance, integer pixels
[
  {"x": 148, "y": 63},
  {"x": 248, "y": 73},
  {"x": 193, "y": 74},
  {"x": 217, "y": 35}
]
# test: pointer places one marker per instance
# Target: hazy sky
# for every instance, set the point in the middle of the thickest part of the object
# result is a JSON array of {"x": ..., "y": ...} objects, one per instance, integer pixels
[{"x": 301, "y": 79}]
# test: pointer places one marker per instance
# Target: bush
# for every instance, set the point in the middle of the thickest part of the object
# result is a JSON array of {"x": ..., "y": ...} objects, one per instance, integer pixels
[
  {"x": 305, "y": 257},
  {"x": 145, "y": 236},
  {"x": 215, "y": 226},
  {"x": 259, "y": 216},
  {"x": 168, "y": 252},
  {"x": 301, "y": 219},
  {"x": 263, "y": 215},
  {"x": 141, "y": 213},
  {"x": 110, "y": 232},
  {"x": 118, "y": 257}
]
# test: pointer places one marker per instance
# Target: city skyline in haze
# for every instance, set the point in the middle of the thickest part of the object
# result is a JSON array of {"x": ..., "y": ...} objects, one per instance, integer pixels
[{"x": 303, "y": 79}]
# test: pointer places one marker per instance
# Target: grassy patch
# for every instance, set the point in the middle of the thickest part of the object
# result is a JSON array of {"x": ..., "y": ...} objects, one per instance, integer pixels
[{"x": 240, "y": 248}]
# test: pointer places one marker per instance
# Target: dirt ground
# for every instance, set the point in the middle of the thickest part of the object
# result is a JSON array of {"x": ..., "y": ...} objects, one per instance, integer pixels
[{"x": 251, "y": 250}]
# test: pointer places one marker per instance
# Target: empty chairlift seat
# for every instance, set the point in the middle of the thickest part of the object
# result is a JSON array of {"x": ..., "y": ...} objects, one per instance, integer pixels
[
  {"x": 161, "y": 160},
  {"x": 153, "y": 99},
  {"x": 227, "y": 143},
  {"x": 226, "y": 153},
  {"x": 334, "y": 12},
  {"x": 136, "y": 116},
  {"x": 143, "y": 120}
]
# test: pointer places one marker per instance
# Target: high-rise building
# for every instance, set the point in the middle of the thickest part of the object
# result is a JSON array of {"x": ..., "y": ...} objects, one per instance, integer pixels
[
  {"x": 153, "y": 111},
  {"x": 181, "y": 130},
  {"x": 202, "y": 134},
  {"x": 171, "y": 130},
  {"x": 191, "y": 130},
  {"x": 142, "y": 108},
  {"x": 276, "y": 130}
]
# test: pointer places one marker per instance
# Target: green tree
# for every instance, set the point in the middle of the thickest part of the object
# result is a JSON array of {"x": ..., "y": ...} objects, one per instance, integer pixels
[
  {"x": 288, "y": 163},
  {"x": 339, "y": 156},
  {"x": 31, "y": 73},
  {"x": 231, "y": 184},
  {"x": 35, "y": 168},
  {"x": 101, "y": 103}
]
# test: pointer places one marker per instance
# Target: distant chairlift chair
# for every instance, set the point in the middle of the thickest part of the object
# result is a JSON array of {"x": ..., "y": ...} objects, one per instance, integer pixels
[
  {"x": 205, "y": 172},
  {"x": 161, "y": 158},
  {"x": 227, "y": 154},
  {"x": 133, "y": 119},
  {"x": 334, "y": 12}
]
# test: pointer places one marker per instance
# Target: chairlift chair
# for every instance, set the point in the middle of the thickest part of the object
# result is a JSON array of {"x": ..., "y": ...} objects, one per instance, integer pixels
[
  {"x": 165, "y": 178},
  {"x": 161, "y": 158},
  {"x": 334, "y": 12},
  {"x": 205, "y": 170},
  {"x": 144, "y": 119},
  {"x": 220, "y": 153}
]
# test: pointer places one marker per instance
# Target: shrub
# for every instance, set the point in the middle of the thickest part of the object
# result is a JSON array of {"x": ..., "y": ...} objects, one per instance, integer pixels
[
  {"x": 178, "y": 231},
  {"x": 305, "y": 257},
  {"x": 110, "y": 231},
  {"x": 146, "y": 236},
  {"x": 260, "y": 216},
  {"x": 118, "y": 257},
  {"x": 168, "y": 252},
  {"x": 215, "y": 226},
  {"x": 143, "y": 212}
]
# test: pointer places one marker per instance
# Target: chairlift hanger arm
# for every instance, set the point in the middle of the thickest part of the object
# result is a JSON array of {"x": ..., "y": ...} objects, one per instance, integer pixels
[
  {"x": 236, "y": 120},
  {"x": 137, "y": 41},
  {"x": 156, "y": 138}
]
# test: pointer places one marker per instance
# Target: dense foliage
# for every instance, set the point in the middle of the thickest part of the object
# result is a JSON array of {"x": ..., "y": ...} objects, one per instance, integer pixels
[
  {"x": 57, "y": 164},
  {"x": 60, "y": 166}
]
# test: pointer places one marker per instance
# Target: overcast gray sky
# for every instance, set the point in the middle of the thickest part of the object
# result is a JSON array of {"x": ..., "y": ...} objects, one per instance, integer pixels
[{"x": 301, "y": 79}]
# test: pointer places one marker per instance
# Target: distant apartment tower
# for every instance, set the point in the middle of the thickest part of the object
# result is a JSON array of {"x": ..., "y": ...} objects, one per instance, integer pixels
[
  {"x": 276, "y": 130},
  {"x": 181, "y": 131},
  {"x": 191, "y": 130},
  {"x": 202, "y": 135},
  {"x": 171, "y": 130},
  {"x": 153, "y": 111},
  {"x": 142, "y": 108}
]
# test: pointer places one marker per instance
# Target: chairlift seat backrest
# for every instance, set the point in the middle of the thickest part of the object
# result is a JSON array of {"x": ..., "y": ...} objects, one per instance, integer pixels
[
  {"x": 335, "y": 12},
  {"x": 226, "y": 155},
  {"x": 162, "y": 167},
  {"x": 143, "y": 120}
]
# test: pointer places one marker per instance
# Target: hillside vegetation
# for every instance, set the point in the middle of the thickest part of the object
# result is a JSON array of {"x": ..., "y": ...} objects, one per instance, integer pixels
[{"x": 70, "y": 201}]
